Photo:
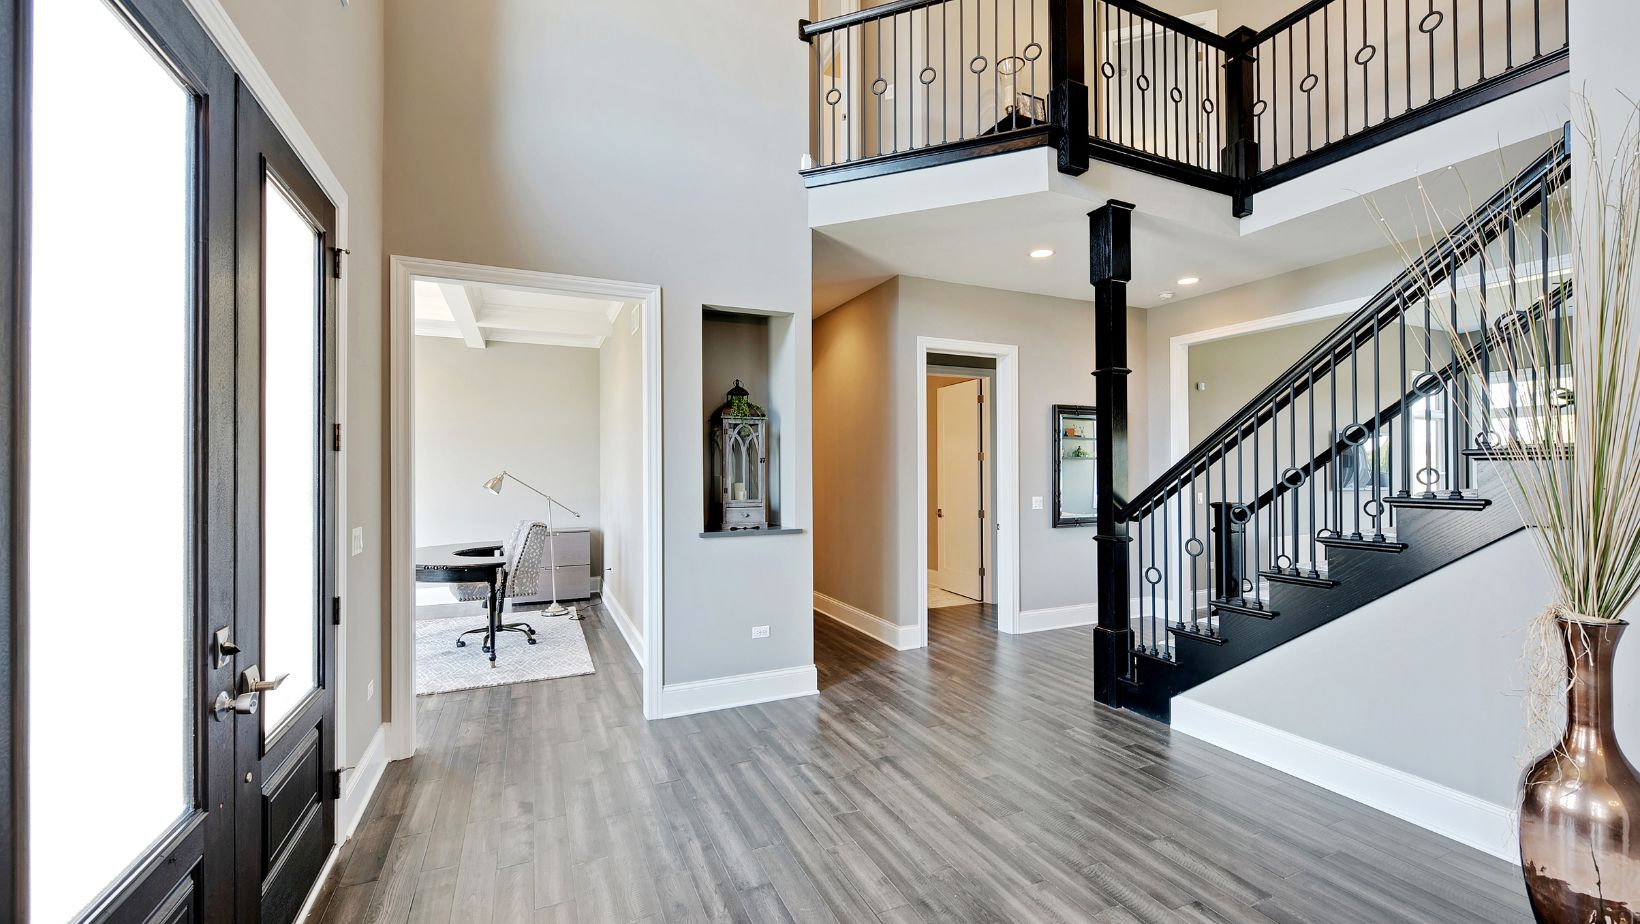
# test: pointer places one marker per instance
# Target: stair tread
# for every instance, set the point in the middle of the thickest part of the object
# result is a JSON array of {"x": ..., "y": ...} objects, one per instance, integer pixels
[
  {"x": 1440, "y": 502},
  {"x": 1385, "y": 544},
  {"x": 1283, "y": 577},
  {"x": 1261, "y": 612},
  {"x": 1200, "y": 636}
]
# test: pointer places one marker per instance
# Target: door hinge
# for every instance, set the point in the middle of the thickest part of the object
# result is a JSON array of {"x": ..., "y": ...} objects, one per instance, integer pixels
[
  {"x": 335, "y": 611},
  {"x": 980, "y": 397},
  {"x": 336, "y": 777},
  {"x": 336, "y": 261},
  {"x": 982, "y": 571},
  {"x": 982, "y": 513},
  {"x": 336, "y": 437},
  {"x": 982, "y": 456}
]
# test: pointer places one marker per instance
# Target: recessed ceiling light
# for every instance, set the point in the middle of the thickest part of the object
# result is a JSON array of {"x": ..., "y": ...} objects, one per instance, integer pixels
[
  {"x": 1188, "y": 280},
  {"x": 1164, "y": 294},
  {"x": 1041, "y": 253}
]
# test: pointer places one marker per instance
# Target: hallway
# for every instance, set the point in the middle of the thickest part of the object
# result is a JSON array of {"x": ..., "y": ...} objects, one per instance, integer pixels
[{"x": 971, "y": 781}]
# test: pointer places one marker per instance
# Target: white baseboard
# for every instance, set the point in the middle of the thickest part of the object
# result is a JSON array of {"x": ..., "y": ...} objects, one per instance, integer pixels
[
  {"x": 870, "y": 625},
  {"x": 359, "y": 784},
  {"x": 1056, "y": 617},
  {"x": 318, "y": 883},
  {"x": 629, "y": 629},
  {"x": 1483, "y": 825},
  {"x": 740, "y": 690}
]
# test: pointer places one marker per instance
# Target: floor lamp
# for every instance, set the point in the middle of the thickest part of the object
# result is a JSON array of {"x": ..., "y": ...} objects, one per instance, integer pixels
[{"x": 494, "y": 487}]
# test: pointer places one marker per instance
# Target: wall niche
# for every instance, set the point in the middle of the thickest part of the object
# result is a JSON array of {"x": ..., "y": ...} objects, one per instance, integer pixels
[{"x": 751, "y": 348}]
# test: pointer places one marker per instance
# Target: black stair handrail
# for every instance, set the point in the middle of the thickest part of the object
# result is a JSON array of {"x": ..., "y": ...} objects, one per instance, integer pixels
[{"x": 1545, "y": 174}]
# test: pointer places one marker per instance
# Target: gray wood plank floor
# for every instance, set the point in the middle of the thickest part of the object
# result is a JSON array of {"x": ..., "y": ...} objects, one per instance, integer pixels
[{"x": 974, "y": 780}]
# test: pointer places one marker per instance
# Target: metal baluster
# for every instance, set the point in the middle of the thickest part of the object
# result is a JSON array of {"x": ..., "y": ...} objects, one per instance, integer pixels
[
  {"x": 1355, "y": 414},
  {"x": 1337, "y": 471},
  {"x": 1454, "y": 436},
  {"x": 1405, "y": 446},
  {"x": 1385, "y": 66},
  {"x": 1407, "y": 51},
  {"x": 819, "y": 102},
  {"x": 1311, "y": 477},
  {"x": 1431, "y": 35},
  {"x": 996, "y": 62},
  {"x": 1537, "y": 27},
  {"x": 848, "y": 92},
  {"x": 1508, "y": 34},
  {"x": 894, "y": 81},
  {"x": 1292, "y": 463},
  {"x": 1194, "y": 543},
  {"x": 960, "y": 64},
  {"x": 1292, "y": 107},
  {"x": 1310, "y": 465},
  {"x": 1155, "y": 636},
  {"x": 1457, "y": 77},
  {"x": 1377, "y": 434},
  {"x": 1343, "y": 13},
  {"x": 1429, "y": 406},
  {"x": 1241, "y": 491},
  {"x": 1309, "y": 109},
  {"x": 1166, "y": 566},
  {"x": 1258, "y": 511},
  {"x": 1213, "y": 565},
  {"x": 1480, "y": 37},
  {"x": 1014, "y": 52}
]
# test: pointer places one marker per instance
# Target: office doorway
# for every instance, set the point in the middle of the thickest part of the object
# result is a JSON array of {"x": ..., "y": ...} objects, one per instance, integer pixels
[{"x": 525, "y": 410}]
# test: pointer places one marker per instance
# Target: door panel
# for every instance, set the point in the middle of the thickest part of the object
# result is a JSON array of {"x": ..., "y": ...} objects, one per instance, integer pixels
[
  {"x": 123, "y": 512},
  {"x": 287, "y": 522},
  {"x": 960, "y": 490}
]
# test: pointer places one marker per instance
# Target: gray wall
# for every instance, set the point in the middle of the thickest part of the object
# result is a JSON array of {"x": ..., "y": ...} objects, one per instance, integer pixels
[
  {"x": 866, "y": 526},
  {"x": 532, "y": 410},
  {"x": 678, "y": 168},
  {"x": 1427, "y": 680},
  {"x": 327, "y": 60}
]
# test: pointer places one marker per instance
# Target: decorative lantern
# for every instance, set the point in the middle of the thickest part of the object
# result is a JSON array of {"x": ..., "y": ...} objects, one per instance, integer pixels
[{"x": 740, "y": 461}]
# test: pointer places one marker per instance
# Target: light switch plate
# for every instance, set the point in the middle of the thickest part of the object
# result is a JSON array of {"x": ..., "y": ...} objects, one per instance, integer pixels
[
  {"x": 358, "y": 539},
  {"x": 760, "y": 632},
  {"x": 1036, "y": 503}
]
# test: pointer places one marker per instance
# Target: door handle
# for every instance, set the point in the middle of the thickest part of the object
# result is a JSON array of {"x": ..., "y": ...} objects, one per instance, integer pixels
[
  {"x": 243, "y": 704},
  {"x": 939, "y": 512},
  {"x": 251, "y": 681}
]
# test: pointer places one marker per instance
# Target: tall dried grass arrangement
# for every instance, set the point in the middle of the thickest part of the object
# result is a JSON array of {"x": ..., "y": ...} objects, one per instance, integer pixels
[{"x": 1575, "y": 465}]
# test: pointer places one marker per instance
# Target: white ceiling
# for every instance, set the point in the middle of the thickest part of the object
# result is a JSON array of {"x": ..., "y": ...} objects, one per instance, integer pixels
[
  {"x": 986, "y": 243},
  {"x": 482, "y": 314}
]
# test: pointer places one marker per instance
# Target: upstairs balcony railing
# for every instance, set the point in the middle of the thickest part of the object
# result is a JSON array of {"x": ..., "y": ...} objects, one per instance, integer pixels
[{"x": 912, "y": 83}]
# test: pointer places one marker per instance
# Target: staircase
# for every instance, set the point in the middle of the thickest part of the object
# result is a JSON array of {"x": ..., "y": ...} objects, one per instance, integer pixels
[{"x": 1376, "y": 459}]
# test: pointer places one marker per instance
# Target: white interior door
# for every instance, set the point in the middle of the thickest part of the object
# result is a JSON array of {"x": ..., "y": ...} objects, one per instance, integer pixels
[{"x": 961, "y": 495}]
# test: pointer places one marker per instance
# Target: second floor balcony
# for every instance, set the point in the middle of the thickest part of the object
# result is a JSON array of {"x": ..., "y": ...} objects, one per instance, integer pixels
[{"x": 915, "y": 83}]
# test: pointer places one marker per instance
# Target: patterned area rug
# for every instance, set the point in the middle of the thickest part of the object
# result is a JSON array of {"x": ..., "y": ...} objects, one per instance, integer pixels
[{"x": 560, "y": 650}]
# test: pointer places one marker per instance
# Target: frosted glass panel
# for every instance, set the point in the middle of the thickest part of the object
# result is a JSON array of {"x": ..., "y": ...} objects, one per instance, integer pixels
[
  {"x": 290, "y": 433},
  {"x": 109, "y": 417}
]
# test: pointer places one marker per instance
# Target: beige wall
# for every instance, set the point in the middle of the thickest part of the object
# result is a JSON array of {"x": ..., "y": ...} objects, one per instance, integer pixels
[
  {"x": 532, "y": 410},
  {"x": 677, "y": 168},
  {"x": 1352, "y": 279},
  {"x": 620, "y": 467},
  {"x": 327, "y": 61},
  {"x": 866, "y": 530}
]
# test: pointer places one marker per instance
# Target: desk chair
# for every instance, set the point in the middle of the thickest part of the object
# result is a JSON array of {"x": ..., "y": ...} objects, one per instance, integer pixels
[{"x": 525, "y": 554}]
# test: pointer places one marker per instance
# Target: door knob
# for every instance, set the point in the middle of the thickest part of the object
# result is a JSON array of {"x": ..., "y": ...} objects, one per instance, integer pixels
[
  {"x": 251, "y": 681},
  {"x": 243, "y": 704}
]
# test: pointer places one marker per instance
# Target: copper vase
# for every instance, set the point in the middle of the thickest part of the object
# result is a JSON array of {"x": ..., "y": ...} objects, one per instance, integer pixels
[{"x": 1580, "y": 812}]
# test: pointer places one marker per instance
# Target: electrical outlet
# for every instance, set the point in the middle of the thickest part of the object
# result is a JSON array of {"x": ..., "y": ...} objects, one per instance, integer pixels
[
  {"x": 370, "y": 690},
  {"x": 1036, "y": 503},
  {"x": 760, "y": 632},
  {"x": 358, "y": 539}
]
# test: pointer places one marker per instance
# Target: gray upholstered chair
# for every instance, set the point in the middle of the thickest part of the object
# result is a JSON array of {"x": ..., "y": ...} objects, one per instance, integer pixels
[{"x": 526, "y": 554}]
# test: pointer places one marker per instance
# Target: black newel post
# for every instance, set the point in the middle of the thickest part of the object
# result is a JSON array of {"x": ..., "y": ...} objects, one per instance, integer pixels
[
  {"x": 1229, "y": 549},
  {"x": 1069, "y": 94},
  {"x": 1240, "y": 155},
  {"x": 1112, "y": 266}
]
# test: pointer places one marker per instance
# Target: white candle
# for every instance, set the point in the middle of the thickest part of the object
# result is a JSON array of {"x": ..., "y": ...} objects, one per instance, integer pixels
[{"x": 740, "y": 490}]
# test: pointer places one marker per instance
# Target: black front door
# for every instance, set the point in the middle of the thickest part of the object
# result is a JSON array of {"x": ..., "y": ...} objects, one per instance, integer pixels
[
  {"x": 287, "y": 481},
  {"x": 166, "y": 480}
]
